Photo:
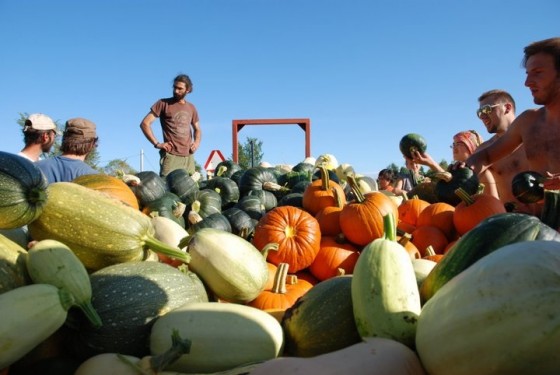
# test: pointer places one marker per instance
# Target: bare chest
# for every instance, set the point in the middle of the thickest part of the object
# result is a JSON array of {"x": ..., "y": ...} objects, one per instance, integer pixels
[{"x": 542, "y": 146}]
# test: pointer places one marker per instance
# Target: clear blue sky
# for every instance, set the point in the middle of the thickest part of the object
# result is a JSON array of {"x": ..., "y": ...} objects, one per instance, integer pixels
[{"x": 364, "y": 72}]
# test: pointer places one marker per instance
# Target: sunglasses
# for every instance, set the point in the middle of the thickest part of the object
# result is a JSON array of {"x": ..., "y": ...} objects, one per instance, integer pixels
[{"x": 485, "y": 110}]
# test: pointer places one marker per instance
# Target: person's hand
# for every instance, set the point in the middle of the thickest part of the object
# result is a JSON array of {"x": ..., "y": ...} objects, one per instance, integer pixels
[
  {"x": 165, "y": 146},
  {"x": 193, "y": 148},
  {"x": 459, "y": 164},
  {"x": 552, "y": 181}
]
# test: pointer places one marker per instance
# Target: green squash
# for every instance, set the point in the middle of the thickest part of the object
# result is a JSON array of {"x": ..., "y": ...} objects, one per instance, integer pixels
[
  {"x": 241, "y": 223},
  {"x": 215, "y": 220},
  {"x": 292, "y": 199},
  {"x": 527, "y": 186},
  {"x": 252, "y": 205},
  {"x": 206, "y": 202},
  {"x": 227, "y": 188},
  {"x": 322, "y": 320},
  {"x": 150, "y": 188},
  {"x": 169, "y": 205},
  {"x": 412, "y": 142},
  {"x": 550, "y": 214},
  {"x": 268, "y": 199},
  {"x": 488, "y": 236},
  {"x": 129, "y": 297},
  {"x": 24, "y": 191},
  {"x": 227, "y": 168},
  {"x": 255, "y": 178},
  {"x": 180, "y": 182},
  {"x": 461, "y": 177},
  {"x": 13, "y": 271}
]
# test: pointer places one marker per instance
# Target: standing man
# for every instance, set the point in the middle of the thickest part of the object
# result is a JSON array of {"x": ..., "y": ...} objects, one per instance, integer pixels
[
  {"x": 180, "y": 128},
  {"x": 537, "y": 129},
  {"x": 78, "y": 140},
  {"x": 39, "y": 134},
  {"x": 497, "y": 112}
]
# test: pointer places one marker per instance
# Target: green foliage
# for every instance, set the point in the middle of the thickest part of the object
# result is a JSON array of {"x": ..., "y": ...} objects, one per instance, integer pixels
[
  {"x": 250, "y": 153},
  {"x": 117, "y": 165}
]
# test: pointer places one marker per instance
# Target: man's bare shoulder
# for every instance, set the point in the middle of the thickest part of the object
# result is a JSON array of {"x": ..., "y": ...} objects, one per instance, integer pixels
[{"x": 528, "y": 117}]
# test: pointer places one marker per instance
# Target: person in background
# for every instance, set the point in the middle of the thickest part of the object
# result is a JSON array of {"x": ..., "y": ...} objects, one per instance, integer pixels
[
  {"x": 78, "y": 140},
  {"x": 537, "y": 129},
  {"x": 497, "y": 112},
  {"x": 180, "y": 127},
  {"x": 39, "y": 134},
  {"x": 386, "y": 180},
  {"x": 408, "y": 180}
]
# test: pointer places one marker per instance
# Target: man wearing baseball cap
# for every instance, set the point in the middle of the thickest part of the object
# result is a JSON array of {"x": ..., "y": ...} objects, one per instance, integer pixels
[
  {"x": 78, "y": 140},
  {"x": 39, "y": 134}
]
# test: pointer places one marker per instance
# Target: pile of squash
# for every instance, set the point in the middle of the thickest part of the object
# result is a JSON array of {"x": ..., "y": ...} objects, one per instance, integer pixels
[{"x": 268, "y": 271}]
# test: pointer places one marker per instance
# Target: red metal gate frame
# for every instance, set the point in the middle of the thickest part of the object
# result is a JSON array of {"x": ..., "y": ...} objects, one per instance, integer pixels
[{"x": 303, "y": 123}]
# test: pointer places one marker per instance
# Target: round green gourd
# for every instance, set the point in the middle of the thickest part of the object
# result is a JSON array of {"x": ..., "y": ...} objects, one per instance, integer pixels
[
  {"x": 527, "y": 187},
  {"x": 23, "y": 188},
  {"x": 462, "y": 177},
  {"x": 180, "y": 182},
  {"x": 412, "y": 142}
]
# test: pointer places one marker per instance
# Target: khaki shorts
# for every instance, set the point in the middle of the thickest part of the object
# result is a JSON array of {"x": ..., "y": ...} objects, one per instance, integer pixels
[{"x": 169, "y": 162}]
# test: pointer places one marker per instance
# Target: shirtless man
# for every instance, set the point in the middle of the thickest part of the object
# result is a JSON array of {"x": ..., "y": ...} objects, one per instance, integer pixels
[
  {"x": 537, "y": 129},
  {"x": 497, "y": 112}
]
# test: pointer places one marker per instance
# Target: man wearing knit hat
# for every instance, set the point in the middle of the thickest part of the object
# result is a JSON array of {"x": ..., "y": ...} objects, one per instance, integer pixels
[
  {"x": 78, "y": 140},
  {"x": 39, "y": 134}
]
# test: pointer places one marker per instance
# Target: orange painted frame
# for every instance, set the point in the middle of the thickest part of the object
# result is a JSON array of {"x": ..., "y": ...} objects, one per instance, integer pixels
[{"x": 303, "y": 123}]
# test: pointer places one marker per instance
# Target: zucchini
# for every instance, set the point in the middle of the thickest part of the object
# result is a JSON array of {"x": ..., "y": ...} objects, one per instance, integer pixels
[
  {"x": 223, "y": 336},
  {"x": 129, "y": 297},
  {"x": 97, "y": 230},
  {"x": 23, "y": 188},
  {"x": 30, "y": 314},
  {"x": 52, "y": 262},
  {"x": 385, "y": 294},
  {"x": 13, "y": 272}
]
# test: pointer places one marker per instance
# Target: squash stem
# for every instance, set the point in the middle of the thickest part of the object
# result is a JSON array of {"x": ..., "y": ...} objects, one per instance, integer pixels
[
  {"x": 271, "y": 246},
  {"x": 179, "y": 347},
  {"x": 465, "y": 197},
  {"x": 67, "y": 300},
  {"x": 389, "y": 228},
  {"x": 91, "y": 314},
  {"x": 163, "y": 248}
]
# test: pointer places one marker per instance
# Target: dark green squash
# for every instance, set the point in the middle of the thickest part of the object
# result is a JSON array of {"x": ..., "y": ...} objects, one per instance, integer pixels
[
  {"x": 207, "y": 202},
  {"x": 216, "y": 221},
  {"x": 241, "y": 223},
  {"x": 461, "y": 177},
  {"x": 332, "y": 175},
  {"x": 322, "y": 320},
  {"x": 227, "y": 188},
  {"x": 292, "y": 199},
  {"x": 169, "y": 205},
  {"x": 150, "y": 188},
  {"x": 129, "y": 297},
  {"x": 227, "y": 168},
  {"x": 304, "y": 167},
  {"x": 236, "y": 176},
  {"x": 527, "y": 187},
  {"x": 23, "y": 191},
  {"x": 255, "y": 179},
  {"x": 412, "y": 142},
  {"x": 488, "y": 236},
  {"x": 300, "y": 187},
  {"x": 268, "y": 199},
  {"x": 181, "y": 183},
  {"x": 252, "y": 206},
  {"x": 550, "y": 214}
]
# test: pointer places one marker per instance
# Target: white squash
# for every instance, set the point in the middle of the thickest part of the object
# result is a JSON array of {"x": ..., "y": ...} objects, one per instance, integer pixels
[{"x": 499, "y": 316}]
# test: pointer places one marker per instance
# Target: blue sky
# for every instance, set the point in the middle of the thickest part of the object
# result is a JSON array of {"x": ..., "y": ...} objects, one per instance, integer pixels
[{"x": 364, "y": 72}]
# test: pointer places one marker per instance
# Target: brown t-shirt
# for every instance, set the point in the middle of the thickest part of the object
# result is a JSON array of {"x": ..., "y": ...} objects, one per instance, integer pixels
[{"x": 176, "y": 120}]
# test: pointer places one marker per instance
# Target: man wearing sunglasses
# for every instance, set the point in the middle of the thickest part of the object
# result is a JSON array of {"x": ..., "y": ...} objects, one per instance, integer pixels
[
  {"x": 537, "y": 129},
  {"x": 497, "y": 112}
]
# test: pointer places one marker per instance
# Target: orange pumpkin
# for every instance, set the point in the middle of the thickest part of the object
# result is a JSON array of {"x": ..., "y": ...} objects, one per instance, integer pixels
[
  {"x": 429, "y": 235},
  {"x": 285, "y": 291},
  {"x": 296, "y": 232},
  {"x": 361, "y": 221},
  {"x": 322, "y": 193},
  {"x": 439, "y": 214},
  {"x": 109, "y": 185},
  {"x": 329, "y": 220},
  {"x": 409, "y": 246},
  {"x": 334, "y": 256},
  {"x": 473, "y": 209},
  {"x": 431, "y": 255},
  {"x": 410, "y": 209}
]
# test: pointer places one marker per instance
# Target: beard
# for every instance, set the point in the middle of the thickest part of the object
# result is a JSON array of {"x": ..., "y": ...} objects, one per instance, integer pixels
[
  {"x": 178, "y": 97},
  {"x": 551, "y": 93}
]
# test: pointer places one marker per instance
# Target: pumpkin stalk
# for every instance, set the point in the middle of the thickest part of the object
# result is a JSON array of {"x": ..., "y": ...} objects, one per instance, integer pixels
[
  {"x": 162, "y": 248},
  {"x": 271, "y": 246},
  {"x": 465, "y": 197},
  {"x": 279, "y": 285},
  {"x": 324, "y": 178},
  {"x": 356, "y": 189}
]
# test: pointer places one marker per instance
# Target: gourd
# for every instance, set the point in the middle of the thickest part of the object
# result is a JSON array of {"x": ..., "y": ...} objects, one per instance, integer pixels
[
  {"x": 385, "y": 295},
  {"x": 30, "y": 314},
  {"x": 268, "y": 199},
  {"x": 511, "y": 297},
  {"x": 223, "y": 336},
  {"x": 215, "y": 220},
  {"x": 323, "y": 192},
  {"x": 181, "y": 183},
  {"x": 206, "y": 202},
  {"x": 527, "y": 186},
  {"x": 322, "y": 320},
  {"x": 171, "y": 233},
  {"x": 148, "y": 186},
  {"x": 227, "y": 188},
  {"x": 550, "y": 214},
  {"x": 110, "y": 185},
  {"x": 378, "y": 356},
  {"x": 52, "y": 262},
  {"x": 169, "y": 205},
  {"x": 473, "y": 209},
  {"x": 412, "y": 142},
  {"x": 231, "y": 267},
  {"x": 129, "y": 297},
  {"x": 227, "y": 168},
  {"x": 461, "y": 177},
  {"x": 13, "y": 271},
  {"x": 488, "y": 236},
  {"x": 240, "y": 221},
  {"x": 252, "y": 205},
  {"x": 256, "y": 178},
  {"x": 23, "y": 189},
  {"x": 97, "y": 230}
]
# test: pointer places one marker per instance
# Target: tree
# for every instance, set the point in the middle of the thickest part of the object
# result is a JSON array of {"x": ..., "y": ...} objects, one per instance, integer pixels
[
  {"x": 117, "y": 165},
  {"x": 250, "y": 153}
]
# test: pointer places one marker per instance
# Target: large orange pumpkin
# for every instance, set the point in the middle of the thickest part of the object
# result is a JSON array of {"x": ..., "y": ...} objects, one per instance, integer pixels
[
  {"x": 329, "y": 220},
  {"x": 296, "y": 232},
  {"x": 429, "y": 235},
  {"x": 361, "y": 221},
  {"x": 322, "y": 193},
  {"x": 410, "y": 209},
  {"x": 333, "y": 257},
  {"x": 439, "y": 214},
  {"x": 109, "y": 185},
  {"x": 473, "y": 209}
]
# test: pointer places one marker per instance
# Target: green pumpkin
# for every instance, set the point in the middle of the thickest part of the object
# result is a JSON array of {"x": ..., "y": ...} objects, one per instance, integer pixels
[
  {"x": 268, "y": 199},
  {"x": 207, "y": 202},
  {"x": 216, "y": 221},
  {"x": 169, "y": 205},
  {"x": 412, "y": 142},
  {"x": 227, "y": 168},
  {"x": 462, "y": 177},
  {"x": 241, "y": 223},
  {"x": 180, "y": 182},
  {"x": 252, "y": 206},
  {"x": 527, "y": 187},
  {"x": 227, "y": 188},
  {"x": 292, "y": 199},
  {"x": 150, "y": 188},
  {"x": 254, "y": 179}
]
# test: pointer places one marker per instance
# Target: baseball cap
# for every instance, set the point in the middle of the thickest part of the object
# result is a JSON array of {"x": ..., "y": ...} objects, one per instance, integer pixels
[
  {"x": 39, "y": 121},
  {"x": 80, "y": 128}
]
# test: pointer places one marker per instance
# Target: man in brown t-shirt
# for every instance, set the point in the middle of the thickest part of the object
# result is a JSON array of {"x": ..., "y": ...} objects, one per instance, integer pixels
[{"x": 180, "y": 128}]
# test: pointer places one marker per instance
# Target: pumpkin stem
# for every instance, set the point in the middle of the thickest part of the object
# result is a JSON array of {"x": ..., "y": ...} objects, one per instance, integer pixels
[
  {"x": 194, "y": 217},
  {"x": 195, "y": 206},
  {"x": 221, "y": 170},
  {"x": 178, "y": 209},
  {"x": 465, "y": 197},
  {"x": 389, "y": 228},
  {"x": 271, "y": 246},
  {"x": 405, "y": 238},
  {"x": 429, "y": 251},
  {"x": 279, "y": 286},
  {"x": 325, "y": 179},
  {"x": 273, "y": 186},
  {"x": 360, "y": 198},
  {"x": 340, "y": 272},
  {"x": 163, "y": 248}
]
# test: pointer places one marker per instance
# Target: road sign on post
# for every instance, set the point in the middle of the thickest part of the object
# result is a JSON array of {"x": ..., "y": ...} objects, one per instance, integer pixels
[{"x": 214, "y": 159}]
